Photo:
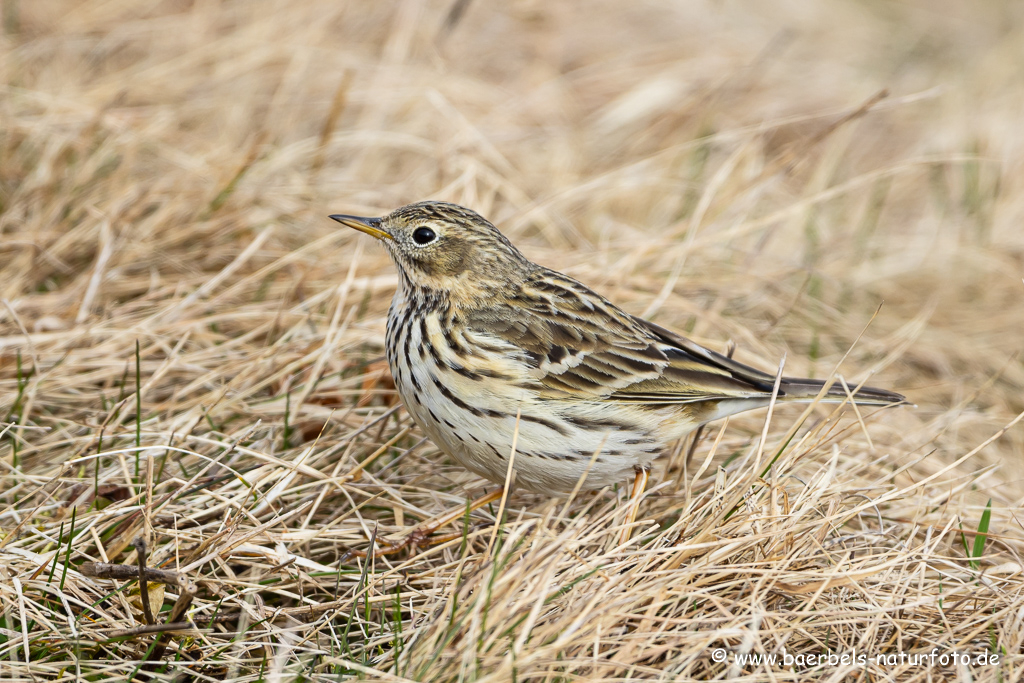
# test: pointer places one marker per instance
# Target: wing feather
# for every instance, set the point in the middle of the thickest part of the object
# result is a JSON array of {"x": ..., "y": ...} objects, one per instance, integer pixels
[{"x": 577, "y": 344}]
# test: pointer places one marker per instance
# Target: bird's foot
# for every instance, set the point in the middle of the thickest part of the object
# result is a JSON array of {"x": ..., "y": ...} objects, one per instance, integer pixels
[
  {"x": 639, "y": 485},
  {"x": 423, "y": 534}
]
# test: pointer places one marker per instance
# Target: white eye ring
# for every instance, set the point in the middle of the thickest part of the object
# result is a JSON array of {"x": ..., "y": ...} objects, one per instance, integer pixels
[{"x": 423, "y": 236}]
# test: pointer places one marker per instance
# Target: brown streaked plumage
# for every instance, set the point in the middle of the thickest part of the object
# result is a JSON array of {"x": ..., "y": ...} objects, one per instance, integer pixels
[{"x": 477, "y": 332}]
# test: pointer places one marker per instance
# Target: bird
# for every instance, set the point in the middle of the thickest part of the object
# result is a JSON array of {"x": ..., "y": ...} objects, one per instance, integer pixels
[{"x": 488, "y": 349}]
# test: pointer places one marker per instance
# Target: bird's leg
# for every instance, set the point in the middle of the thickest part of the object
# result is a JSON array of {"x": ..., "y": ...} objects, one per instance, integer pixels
[
  {"x": 421, "y": 534},
  {"x": 639, "y": 484}
]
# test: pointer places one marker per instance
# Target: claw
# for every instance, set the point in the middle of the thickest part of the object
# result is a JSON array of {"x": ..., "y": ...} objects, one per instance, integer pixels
[{"x": 423, "y": 535}]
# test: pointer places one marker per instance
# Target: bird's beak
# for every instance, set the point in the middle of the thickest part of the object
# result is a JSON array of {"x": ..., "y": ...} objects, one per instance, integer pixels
[{"x": 371, "y": 226}]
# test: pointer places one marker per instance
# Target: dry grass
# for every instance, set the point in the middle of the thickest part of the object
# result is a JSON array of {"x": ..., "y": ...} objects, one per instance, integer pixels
[{"x": 189, "y": 351}]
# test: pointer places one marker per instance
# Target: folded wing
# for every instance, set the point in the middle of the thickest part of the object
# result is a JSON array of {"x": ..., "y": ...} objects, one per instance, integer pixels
[{"x": 576, "y": 344}]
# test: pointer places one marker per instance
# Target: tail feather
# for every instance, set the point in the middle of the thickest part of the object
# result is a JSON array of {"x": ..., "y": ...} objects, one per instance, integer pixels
[{"x": 794, "y": 389}]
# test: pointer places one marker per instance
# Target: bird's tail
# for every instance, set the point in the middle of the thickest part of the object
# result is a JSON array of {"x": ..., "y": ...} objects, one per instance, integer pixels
[{"x": 806, "y": 390}]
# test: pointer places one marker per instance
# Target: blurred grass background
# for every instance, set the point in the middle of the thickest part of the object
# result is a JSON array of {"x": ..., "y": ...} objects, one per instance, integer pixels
[{"x": 765, "y": 173}]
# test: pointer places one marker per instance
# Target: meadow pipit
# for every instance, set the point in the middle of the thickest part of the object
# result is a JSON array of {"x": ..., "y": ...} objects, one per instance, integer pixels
[{"x": 484, "y": 344}]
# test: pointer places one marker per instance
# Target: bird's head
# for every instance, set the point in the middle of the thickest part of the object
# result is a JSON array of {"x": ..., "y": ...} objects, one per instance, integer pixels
[{"x": 445, "y": 248}]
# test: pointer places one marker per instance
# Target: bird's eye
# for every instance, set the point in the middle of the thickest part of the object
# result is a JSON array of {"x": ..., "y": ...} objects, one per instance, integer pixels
[{"x": 423, "y": 236}]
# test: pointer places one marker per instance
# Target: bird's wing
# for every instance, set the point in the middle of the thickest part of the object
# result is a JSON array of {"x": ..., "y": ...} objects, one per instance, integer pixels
[
  {"x": 577, "y": 344},
  {"x": 790, "y": 388}
]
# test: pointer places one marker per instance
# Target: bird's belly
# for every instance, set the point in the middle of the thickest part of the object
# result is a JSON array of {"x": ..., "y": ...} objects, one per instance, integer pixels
[
  {"x": 550, "y": 455},
  {"x": 476, "y": 421}
]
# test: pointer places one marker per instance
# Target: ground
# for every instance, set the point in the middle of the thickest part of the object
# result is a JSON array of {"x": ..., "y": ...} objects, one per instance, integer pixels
[{"x": 190, "y": 351}]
